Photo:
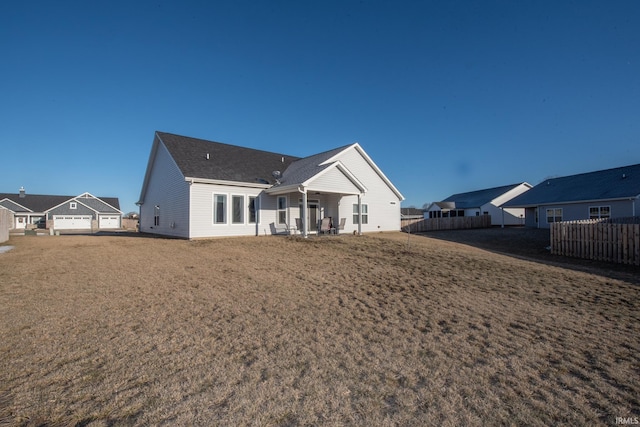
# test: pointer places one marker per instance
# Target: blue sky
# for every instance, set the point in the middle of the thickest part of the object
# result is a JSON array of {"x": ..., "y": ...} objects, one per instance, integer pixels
[{"x": 446, "y": 96}]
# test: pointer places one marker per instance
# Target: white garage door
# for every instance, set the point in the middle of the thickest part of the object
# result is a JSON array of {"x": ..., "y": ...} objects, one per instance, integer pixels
[
  {"x": 109, "y": 221},
  {"x": 71, "y": 222}
]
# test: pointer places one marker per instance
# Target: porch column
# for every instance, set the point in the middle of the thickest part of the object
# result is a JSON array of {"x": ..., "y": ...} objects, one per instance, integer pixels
[
  {"x": 305, "y": 210},
  {"x": 360, "y": 214}
]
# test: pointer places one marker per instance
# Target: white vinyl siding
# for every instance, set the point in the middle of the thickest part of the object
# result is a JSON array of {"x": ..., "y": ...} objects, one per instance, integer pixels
[
  {"x": 202, "y": 215},
  {"x": 382, "y": 202},
  {"x": 334, "y": 181},
  {"x": 168, "y": 190}
]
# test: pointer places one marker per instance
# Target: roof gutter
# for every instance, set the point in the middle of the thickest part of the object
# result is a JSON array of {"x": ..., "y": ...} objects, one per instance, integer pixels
[{"x": 193, "y": 180}]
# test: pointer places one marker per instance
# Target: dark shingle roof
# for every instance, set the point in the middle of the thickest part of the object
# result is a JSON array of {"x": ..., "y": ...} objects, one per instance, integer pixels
[
  {"x": 226, "y": 162},
  {"x": 475, "y": 199},
  {"x": 616, "y": 183},
  {"x": 35, "y": 202}
]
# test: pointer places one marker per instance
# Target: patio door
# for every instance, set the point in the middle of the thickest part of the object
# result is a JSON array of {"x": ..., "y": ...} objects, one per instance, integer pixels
[{"x": 313, "y": 210}]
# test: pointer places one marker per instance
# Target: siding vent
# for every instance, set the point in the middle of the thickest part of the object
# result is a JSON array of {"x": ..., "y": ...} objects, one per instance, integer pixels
[{"x": 207, "y": 156}]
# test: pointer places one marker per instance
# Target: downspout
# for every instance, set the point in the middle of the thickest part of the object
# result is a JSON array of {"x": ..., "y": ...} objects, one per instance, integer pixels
[
  {"x": 502, "y": 210},
  {"x": 360, "y": 214},
  {"x": 305, "y": 208}
]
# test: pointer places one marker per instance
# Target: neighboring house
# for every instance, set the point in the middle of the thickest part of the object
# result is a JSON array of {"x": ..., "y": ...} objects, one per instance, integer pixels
[
  {"x": 411, "y": 213},
  {"x": 83, "y": 212},
  {"x": 482, "y": 202},
  {"x": 195, "y": 188},
  {"x": 610, "y": 193}
]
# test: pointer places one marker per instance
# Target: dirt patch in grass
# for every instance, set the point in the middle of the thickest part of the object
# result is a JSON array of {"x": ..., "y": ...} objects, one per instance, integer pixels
[{"x": 382, "y": 329}]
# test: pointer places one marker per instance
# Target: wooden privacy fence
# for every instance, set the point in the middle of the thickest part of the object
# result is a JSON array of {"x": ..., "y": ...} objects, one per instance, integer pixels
[
  {"x": 454, "y": 223},
  {"x": 616, "y": 240}
]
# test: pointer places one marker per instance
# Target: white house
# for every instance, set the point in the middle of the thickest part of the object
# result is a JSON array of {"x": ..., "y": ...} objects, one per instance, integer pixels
[
  {"x": 195, "y": 188},
  {"x": 483, "y": 202}
]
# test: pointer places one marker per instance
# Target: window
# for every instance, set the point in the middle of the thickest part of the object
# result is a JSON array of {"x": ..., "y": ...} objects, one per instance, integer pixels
[
  {"x": 156, "y": 215},
  {"x": 73, "y": 205},
  {"x": 219, "y": 208},
  {"x": 252, "y": 210},
  {"x": 599, "y": 212},
  {"x": 237, "y": 209},
  {"x": 282, "y": 210},
  {"x": 365, "y": 214},
  {"x": 554, "y": 215}
]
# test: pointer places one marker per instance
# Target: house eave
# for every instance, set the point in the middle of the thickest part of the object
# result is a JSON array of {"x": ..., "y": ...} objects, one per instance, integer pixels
[{"x": 195, "y": 180}]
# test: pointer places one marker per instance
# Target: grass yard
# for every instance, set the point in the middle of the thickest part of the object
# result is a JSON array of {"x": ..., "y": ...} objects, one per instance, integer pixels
[{"x": 380, "y": 330}]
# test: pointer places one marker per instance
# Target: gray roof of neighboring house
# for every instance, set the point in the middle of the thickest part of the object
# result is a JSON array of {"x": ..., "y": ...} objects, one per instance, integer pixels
[
  {"x": 99, "y": 204},
  {"x": 475, "y": 199},
  {"x": 226, "y": 162},
  {"x": 43, "y": 202},
  {"x": 609, "y": 184},
  {"x": 412, "y": 211}
]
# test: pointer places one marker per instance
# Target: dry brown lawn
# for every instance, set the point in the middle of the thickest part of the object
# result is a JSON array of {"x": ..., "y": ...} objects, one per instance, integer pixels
[{"x": 380, "y": 330}]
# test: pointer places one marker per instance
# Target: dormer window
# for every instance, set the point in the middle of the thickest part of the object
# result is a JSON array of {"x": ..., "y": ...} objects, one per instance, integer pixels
[{"x": 73, "y": 205}]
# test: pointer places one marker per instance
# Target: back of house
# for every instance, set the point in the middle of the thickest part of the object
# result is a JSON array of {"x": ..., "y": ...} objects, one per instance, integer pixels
[{"x": 195, "y": 188}]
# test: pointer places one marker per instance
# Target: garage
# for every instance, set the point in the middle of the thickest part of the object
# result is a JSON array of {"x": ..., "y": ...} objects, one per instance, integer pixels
[
  {"x": 72, "y": 222},
  {"x": 108, "y": 221}
]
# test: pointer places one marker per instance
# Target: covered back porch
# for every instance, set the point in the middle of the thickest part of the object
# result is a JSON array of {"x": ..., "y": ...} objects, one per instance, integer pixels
[
  {"x": 311, "y": 202},
  {"x": 304, "y": 212},
  {"x": 317, "y": 191}
]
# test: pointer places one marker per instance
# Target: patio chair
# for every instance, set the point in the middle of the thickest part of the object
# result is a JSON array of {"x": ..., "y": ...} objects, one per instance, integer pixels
[
  {"x": 340, "y": 227},
  {"x": 325, "y": 226}
]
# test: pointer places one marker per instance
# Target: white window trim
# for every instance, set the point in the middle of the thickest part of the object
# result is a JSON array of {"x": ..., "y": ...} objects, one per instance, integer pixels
[
  {"x": 600, "y": 211},
  {"x": 73, "y": 205},
  {"x": 242, "y": 209},
  {"x": 554, "y": 215},
  {"x": 365, "y": 208},
  {"x": 286, "y": 210},
  {"x": 255, "y": 208},
  {"x": 226, "y": 210}
]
